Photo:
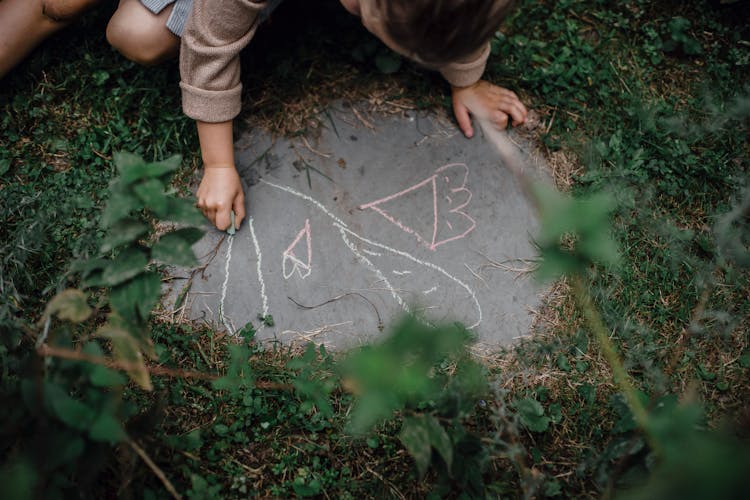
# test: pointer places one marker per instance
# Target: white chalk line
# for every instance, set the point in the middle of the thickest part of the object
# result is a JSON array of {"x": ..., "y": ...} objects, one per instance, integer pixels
[
  {"x": 374, "y": 254},
  {"x": 344, "y": 229},
  {"x": 372, "y": 266},
  {"x": 222, "y": 318},
  {"x": 431, "y": 266},
  {"x": 259, "y": 262},
  {"x": 305, "y": 197}
]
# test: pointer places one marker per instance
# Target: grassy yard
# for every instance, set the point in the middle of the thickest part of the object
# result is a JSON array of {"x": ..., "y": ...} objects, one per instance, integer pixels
[{"x": 647, "y": 102}]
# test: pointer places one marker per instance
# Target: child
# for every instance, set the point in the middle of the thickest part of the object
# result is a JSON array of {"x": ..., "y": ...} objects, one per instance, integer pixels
[
  {"x": 145, "y": 31},
  {"x": 451, "y": 36}
]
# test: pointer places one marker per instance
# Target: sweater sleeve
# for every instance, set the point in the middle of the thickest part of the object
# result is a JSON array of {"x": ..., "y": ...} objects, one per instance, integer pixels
[
  {"x": 215, "y": 33},
  {"x": 466, "y": 72}
]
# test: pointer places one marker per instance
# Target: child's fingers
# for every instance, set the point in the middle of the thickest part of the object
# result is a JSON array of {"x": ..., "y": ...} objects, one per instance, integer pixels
[
  {"x": 500, "y": 119},
  {"x": 204, "y": 209},
  {"x": 515, "y": 109},
  {"x": 239, "y": 210},
  {"x": 222, "y": 219},
  {"x": 463, "y": 119},
  {"x": 210, "y": 215}
]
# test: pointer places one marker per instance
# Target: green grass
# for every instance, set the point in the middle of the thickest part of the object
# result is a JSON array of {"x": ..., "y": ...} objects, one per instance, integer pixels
[{"x": 652, "y": 110}]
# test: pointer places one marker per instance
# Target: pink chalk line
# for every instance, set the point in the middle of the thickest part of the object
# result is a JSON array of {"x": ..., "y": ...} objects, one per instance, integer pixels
[
  {"x": 303, "y": 268},
  {"x": 432, "y": 180}
]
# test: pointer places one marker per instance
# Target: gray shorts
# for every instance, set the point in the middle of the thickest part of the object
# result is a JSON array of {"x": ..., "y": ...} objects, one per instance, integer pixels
[{"x": 179, "y": 15}]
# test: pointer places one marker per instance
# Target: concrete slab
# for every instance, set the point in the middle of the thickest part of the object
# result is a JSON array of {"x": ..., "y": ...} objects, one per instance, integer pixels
[{"x": 376, "y": 217}]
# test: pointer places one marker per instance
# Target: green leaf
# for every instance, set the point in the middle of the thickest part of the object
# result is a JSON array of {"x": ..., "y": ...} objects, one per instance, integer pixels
[
  {"x": 238, "y": 374},
  {"x": 133, "y": 168},
  {"x": 4, "y": 166},
  {"x": 532, "y": 416},
  {"x": 370, "y": 408},
  {"x": 127, "y": 265},
  {"x": 176, "y": 248},
  {"x": 705, "y": 374},
  {"x": 124, "y": 231},
  {"x": 267, "y": 319},
  {"x": 91, "y": 271},
  {"x": 135, "y": 299},
  {"x": 70, "y": 411},
  {"x": 122, "y": 201},
  {"x": 101, "y": 376},
  {"x": 745, "y": 360},
  {"x": 127, "y": 348},
  {"x": 183, "y": 211},
  {"x": 562, "y": 362},
  {"x": 191, "y": 234},
  {"x": 388, "y": 62},
  {"x": 305, "y": 490},
  {"x": 153, "y": 196},
  {"x": 106, "y": 428},
  {"x": 586, "y": 219},
  {"x": 100, "y": 76},
  {"x": 69, "y": 305},
  {"x": 416, "y": 439},
  {"x": 555, "y": 413},
  {"x": 399, "y": 371},
  {"x": 125, "y": 161},
  {"x": 588, "y": 393},
  {"x": 87, "y": 266}
]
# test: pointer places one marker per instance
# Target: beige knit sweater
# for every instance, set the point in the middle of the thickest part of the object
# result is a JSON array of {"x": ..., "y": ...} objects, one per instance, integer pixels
[{"x": 216, "y": 32}]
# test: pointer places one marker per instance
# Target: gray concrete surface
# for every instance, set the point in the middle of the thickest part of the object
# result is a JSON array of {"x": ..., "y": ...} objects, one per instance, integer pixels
[{"x": 376, "y": 217}]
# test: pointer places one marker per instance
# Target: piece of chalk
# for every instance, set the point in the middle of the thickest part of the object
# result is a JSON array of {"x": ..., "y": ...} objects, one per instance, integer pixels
[{"x": 231, "y": 230}]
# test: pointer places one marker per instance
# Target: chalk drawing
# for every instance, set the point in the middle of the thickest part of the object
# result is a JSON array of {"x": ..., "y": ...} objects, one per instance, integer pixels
[
  {"x": 430, "y": 236},
  {"x": 224, "y": 287},
  {"x": 259, "y": 268},
  {"x": 381, "y": 251},
  {"x": 306, "y": 198},
  {"x": 378, "y": 272},
  {"x": 427, "y": 292},
  {"x": 303, "y": 267},
  {"x": 370, "y": 252},
  {"x": 470, "y": 292}
]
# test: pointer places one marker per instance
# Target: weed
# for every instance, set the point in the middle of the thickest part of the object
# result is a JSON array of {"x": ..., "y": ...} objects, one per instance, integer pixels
[{"x": 654, "y": 109}]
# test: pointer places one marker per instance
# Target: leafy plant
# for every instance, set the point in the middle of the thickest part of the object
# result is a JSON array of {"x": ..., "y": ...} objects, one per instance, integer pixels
[
  {"x": 425, "y": 374},
  {"x": 74, "y": 390}
]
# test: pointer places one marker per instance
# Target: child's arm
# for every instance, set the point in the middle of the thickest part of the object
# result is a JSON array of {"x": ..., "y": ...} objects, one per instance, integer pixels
[
  {"x": 472, "y": 96},
  {"x": 220, "y": 190},
  {"x": 214, "y": 35}
]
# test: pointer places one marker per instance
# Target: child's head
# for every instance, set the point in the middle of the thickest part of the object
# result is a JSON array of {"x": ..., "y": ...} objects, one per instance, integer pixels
[{"x": 441, "y": 31}]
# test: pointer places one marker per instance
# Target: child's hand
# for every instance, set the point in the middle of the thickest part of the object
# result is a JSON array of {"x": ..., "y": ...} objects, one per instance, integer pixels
[
  {"x": 219, "y": 193},
  {"x": 489, "y": 102}
]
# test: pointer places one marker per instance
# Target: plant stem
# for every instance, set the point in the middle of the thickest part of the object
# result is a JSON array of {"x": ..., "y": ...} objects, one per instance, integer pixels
[
  {"x": 48, "y": 351},
  {"x": 155, "y": 469},
  {"x": 640, "y": 415}
]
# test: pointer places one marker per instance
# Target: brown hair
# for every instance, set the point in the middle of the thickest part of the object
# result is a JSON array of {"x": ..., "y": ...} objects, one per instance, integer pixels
[{"x": 441, "y": 31}]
